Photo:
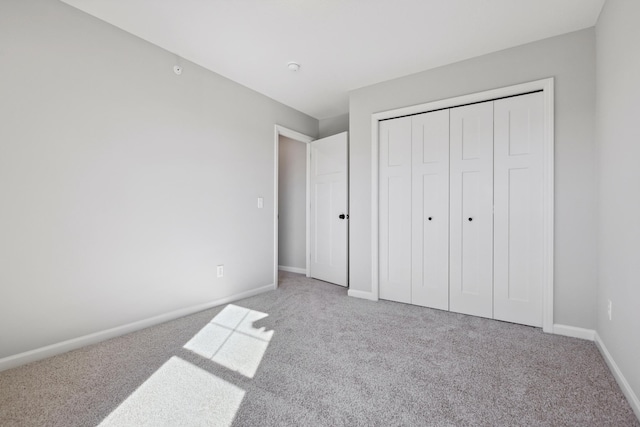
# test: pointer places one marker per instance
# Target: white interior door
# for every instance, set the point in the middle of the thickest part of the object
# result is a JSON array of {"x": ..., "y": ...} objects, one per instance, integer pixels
[
  {"x": 430, "y": 210},
  {"x": 518, "y": 240},
  {"x": 395, "y": 210},
  {"x": 471, "y": 210},
  {"x": 329, "y": 214}
]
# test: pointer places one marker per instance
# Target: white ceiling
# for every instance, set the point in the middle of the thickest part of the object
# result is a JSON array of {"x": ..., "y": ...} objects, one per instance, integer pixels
[{"x": 341, "y": 44}]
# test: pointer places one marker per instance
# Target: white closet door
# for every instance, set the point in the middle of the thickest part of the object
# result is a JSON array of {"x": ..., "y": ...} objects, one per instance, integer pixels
[
  {"x": 471, "y": 217},
  {"x": 518, "y": 247},
  {"x": 430, "y": 211},
  {"x": 395, "y": 210}
]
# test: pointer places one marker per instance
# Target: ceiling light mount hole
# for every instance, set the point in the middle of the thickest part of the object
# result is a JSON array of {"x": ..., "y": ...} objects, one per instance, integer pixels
[{"x": 293, "y": 66}]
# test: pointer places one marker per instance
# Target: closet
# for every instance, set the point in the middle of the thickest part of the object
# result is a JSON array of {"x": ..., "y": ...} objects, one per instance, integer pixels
[{"x": 460, "y": 209}]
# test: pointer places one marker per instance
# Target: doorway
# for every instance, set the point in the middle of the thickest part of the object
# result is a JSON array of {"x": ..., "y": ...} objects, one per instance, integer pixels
[
  {"x": 292, "y": 140},
  {"x": 292, "y": 201},
  {"x": 311, "y": 206}
]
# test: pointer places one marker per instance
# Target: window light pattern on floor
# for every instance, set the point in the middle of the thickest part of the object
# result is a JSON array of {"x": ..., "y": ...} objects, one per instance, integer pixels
[
  {"x": 180, "y": 393},
  {"x": 231, "y": 340}
]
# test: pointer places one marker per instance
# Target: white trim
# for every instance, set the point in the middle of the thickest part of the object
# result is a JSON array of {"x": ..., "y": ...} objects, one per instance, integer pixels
[
  {"x": 74, "y": 343},
  {"x": 293, "y": 269},
  {"x": 547, "y": 86},
  {"x": 375, "y": 208},
  {"x": 307, "y": 271},
  {"x": 574, "y": 332},
  {"x": 548, "y": 208},
  {"x": 289, "y": 133},
  {"x": 362, "y": 294},
  {"x": 292, "y": 134},
  {"x": 632, "y": 398}
]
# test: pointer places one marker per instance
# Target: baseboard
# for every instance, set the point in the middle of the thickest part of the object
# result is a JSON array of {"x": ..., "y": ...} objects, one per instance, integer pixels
[
  {"x": 292, "y": 269},
  {"x": 632, "y": 398},
  {"x": 75, "y": 343},
  {"x": 362, "y": 294},
  {"x": 574, "y": 332}
]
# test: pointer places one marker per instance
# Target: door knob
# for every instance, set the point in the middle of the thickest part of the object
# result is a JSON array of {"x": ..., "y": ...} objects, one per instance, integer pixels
[
  {"x": 429, "y": 218},
  {"x": 470, "y": 219},
  {"x": 342, "y": 216}
]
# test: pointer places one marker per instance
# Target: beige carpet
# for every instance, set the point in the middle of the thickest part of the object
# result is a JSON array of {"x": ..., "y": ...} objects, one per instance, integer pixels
[{"x": 307, "y": 354}]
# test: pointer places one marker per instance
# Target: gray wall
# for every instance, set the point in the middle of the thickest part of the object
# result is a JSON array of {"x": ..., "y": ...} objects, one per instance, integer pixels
[
  {"x": 333, "y": 125},
  {"x": 570, "y": 59},
  {"x": 618, "y": 139},
  {"x": 292, "y": 199},
  {"x": 122, "y": 184}
]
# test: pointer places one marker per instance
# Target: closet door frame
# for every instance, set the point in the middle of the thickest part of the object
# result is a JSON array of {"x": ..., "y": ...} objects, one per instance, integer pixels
[{"x": 544, "y": 85}]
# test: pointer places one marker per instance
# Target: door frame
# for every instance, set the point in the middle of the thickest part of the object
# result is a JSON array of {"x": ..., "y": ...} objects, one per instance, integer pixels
[
  {"x": 544, "y": 85},
  {"x": 305, "y": 139}
]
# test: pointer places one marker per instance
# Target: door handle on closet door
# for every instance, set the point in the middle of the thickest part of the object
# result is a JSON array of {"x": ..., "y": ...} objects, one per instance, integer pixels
[{"x": 470, "y": 219}]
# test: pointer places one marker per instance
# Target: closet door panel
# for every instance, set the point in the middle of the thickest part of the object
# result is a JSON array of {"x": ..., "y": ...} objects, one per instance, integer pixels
[
  {"x": 471, "y": 210},
  {"x": 430, "y": 212},
  {"x": 519, "y": 129},
  {"x": 395, "y": 210}
]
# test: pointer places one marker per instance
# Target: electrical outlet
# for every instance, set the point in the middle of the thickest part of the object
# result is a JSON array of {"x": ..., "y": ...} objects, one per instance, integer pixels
[
  {"x": 260, "y": 202},
  {"x": 609, "y": 309},
  {"x": 220, "y": 271}
]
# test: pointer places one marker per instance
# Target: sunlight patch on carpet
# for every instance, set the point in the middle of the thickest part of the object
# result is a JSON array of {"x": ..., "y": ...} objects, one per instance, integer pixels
[
  {"x": 231, "y": 340},
  {"x": 179, "y": 393}
]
